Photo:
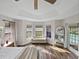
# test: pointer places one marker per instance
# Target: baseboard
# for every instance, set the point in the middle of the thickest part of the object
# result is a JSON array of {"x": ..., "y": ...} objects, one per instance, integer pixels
[{"x": 24, "y": 45}]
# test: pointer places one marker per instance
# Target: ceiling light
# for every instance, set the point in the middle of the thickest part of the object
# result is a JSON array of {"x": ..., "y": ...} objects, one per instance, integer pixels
[{"x": 16, "y": 0}]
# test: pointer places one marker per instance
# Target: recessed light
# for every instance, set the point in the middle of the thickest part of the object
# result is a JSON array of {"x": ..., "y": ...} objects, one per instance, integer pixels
[
  {"x": 16, "y": 0},
  {"x": 51, "y": 1}
]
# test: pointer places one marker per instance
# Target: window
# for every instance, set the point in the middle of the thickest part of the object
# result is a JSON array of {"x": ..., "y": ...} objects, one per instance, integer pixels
[
  {"x": 74, "y": 35},
  {"x": 48, "y": 31},
  {"x": 39, "y": 34},
  {"x": 29, "y": 31},
  {"x": 60, "y": 34},
  {"x": 38, "y": 31},
  {"x": 7, "y": 31},
  {"x": 1, "y": 31}
]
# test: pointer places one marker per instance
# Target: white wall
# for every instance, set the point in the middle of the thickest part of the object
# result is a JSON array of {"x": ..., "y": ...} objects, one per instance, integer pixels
[
  {"x": 21, "y": 31},
  {"x": 72, "y": 19}
]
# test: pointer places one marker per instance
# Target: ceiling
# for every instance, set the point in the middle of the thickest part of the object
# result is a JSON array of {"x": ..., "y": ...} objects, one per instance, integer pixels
[{"x": 24, "y": 9}]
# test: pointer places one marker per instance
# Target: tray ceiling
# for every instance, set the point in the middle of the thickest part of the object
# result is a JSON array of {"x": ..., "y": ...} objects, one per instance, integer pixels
[{"x": 24, "y": 9}]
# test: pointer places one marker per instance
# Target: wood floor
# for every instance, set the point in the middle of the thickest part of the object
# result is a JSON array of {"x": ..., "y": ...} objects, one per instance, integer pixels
[{"x": 46, "y": 52}]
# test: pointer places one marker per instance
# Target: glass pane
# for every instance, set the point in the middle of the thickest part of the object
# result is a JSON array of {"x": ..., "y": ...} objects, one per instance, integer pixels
[
  {"x": 1, "y": 30},
  {"x": 48, "y": 31},
  {"x": 29, "y": 31},
  {"x": 29, "y": 26},
  {"x": 74, "y": 36},
  {"x": 28, "y": 34},
  {"x": 39, "y": 26},
  {"x": 39, "y": 34}
]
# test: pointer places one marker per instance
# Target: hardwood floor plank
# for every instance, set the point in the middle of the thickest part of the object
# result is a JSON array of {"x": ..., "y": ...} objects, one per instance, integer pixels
[{"x": 49, "y": 52}]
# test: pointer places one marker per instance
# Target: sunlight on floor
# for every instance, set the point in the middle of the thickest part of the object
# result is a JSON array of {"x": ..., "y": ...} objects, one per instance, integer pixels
[{"x": 59, "y": 49}]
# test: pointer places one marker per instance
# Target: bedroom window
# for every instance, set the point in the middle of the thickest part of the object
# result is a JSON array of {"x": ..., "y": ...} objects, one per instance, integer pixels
[
  {"x": 7, "y": 32},
  {"x": 74, "y": 36},
  {"x": 39, "y": 34},
  {"x": 29, "y": 34},
  {"x": 29, "y": 31},
  {"x": 48, "y": 31},
  {"x": 38, "y": 31},
  {"x": 1, "y": 31}
]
